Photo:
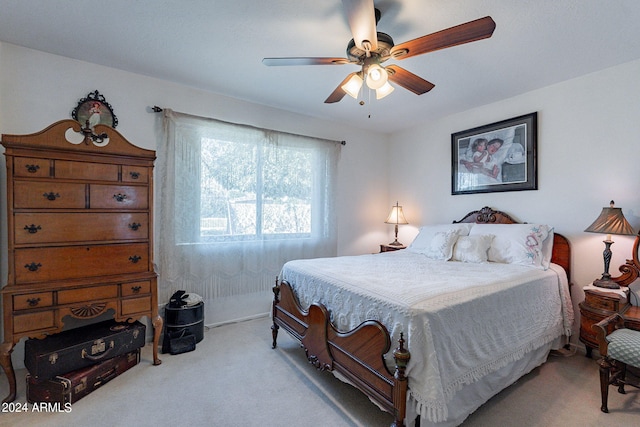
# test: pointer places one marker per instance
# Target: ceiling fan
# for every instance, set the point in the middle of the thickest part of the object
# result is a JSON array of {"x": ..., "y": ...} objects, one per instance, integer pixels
[{"x": 370, "y": 48}]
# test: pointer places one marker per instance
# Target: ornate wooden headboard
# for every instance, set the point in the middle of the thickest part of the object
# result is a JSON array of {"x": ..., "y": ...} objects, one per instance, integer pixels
[
  {"x": 561, "y": 254},
  {"x": 631, "y": 269}
]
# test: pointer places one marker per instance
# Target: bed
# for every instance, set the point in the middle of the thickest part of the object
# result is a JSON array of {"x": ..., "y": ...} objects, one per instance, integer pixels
[{"x": 468, "y": 308}]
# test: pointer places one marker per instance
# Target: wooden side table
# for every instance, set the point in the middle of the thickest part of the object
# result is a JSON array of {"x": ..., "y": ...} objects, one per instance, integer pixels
[
  {"x": 599, "y": 304},
  {"x": 391, "y": 248}
]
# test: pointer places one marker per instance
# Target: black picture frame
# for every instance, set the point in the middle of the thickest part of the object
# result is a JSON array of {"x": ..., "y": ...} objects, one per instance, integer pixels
[
  {"x": 507, "y": 162},
  {"x": 93, "y": 110}
]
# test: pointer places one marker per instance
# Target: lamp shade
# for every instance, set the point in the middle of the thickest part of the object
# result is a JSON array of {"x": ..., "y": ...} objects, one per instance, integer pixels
[
  {"x": 385, "y": 90},
  {"x": 396, "y": 216},
  {"x": 376, "y": 76},
  {"x": 353, "y": 85},
  {"x": 611, "y": 221}
]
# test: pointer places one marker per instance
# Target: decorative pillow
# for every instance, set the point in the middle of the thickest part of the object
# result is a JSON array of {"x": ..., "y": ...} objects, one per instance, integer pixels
[
  {"x": 472, "y": 248},
  {"x": 522, "y": 244},
  {"x": 547, "y": 249},
  {"x": 427, "y": 232},
  {"x": 441, "y": 245}
]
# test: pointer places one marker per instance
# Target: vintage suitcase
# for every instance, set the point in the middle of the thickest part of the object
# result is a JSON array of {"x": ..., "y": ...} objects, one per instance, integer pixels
[
  {"x": 78, "y": 348},
  {"x": 72, "y": 386}
]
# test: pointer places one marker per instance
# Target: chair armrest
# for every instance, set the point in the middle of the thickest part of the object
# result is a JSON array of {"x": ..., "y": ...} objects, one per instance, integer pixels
[{"x": 604, "y": 327}]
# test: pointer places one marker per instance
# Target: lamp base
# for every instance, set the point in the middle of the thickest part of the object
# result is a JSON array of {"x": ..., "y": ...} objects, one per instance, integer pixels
[
  {"x": 395, "y": 243},
  {"x": 606, "y": 282}
]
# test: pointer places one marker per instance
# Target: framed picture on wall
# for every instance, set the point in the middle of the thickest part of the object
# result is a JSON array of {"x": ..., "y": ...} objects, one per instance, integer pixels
[
  {"x": 93, "y": 110},
  {"x": 496, "y": 157}
]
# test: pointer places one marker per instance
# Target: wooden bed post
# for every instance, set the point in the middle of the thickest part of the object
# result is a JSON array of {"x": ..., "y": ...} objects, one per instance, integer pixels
[
  {"x": 401, "y": 357},
  {"x": 276, "y": 300}
]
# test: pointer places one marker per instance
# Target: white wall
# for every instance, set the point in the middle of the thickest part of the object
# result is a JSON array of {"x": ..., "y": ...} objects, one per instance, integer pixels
[{"x": 588, "y": 153}]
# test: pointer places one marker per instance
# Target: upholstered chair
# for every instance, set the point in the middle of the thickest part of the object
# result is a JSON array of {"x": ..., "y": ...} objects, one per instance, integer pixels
[{"x": 619, "y": 348}]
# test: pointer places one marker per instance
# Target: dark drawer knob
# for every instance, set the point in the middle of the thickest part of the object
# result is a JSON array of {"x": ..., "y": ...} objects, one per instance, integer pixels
[
  {"x": 135, "y": 258},
  {"x": 134, "y": 175},
  {"x": 32, "y": 229},
  {"x": 51, "y": 196},
  {"x": 32, "y": 168},
  {"x": 33, "y": 266},
  {"x": 33, "y": 302},
  {"x": 120, "y": 197},
  {"x": 136, "y": 289},
  {"x": 134, "y": 226}
]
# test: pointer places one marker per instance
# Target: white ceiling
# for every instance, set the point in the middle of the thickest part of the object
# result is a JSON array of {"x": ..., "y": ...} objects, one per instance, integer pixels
[{"x": 218, "y": 45}]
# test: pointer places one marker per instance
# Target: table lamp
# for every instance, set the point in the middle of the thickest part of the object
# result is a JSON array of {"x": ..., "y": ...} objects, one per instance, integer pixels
[
  {"x": 396, "y": 217},
  {"x": 611, "y": 221}
]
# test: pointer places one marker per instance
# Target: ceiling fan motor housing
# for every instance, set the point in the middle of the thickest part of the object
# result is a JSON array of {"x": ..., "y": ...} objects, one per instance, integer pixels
[{"x": 358, "y": 55}]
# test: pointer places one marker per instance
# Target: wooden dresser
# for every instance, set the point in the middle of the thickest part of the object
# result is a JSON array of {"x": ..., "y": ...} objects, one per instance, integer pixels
[
  {"x": 599, "y": 304},
  {"x": 80, "y": 231}
]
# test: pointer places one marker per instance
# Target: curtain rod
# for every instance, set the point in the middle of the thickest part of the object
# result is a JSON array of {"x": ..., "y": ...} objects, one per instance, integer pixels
[{"x": 157, "y": 109}]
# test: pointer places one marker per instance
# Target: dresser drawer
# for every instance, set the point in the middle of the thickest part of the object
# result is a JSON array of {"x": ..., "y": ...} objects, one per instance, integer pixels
[
  {"x": 135, "y": 305},
  {"x": 34, "y": 228},
  {"x": 31, "y": 301},
  {"x": 31, "y": 167},
  {"x": 603, "y": 302},
  {"x": 119, "y": 197},
  {"x": 135, "y": 288},
  {"x": 33, "y": 321},
  {"x": 135, "y": 174},
  {"x": 94, "y": 293},
  {"x": 48, "y": 195},
  {"x": 65, "y": 169},
  {"x": 44, "y": 264}
]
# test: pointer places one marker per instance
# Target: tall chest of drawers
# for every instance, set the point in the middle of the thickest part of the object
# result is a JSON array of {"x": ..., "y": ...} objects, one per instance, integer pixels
[{"x": 80, "y": 234}]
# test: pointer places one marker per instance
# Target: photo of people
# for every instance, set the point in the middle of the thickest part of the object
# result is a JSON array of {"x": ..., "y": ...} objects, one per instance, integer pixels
[{"x": 492, "y": 159}]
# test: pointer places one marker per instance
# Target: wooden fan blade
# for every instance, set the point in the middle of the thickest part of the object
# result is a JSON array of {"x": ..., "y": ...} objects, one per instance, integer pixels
[
  {"x": 304, "y": 61},
  {"x": 338, "y": 93},
  {"x": 362, "y": 21},
  {"x": 408, "y": 80},
  {"x": 464, "y": 33}
]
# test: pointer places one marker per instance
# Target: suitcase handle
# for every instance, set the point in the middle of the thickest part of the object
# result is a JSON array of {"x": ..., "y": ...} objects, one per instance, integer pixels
[
  {"x": 108, "y": 376},
  {"x": 88, "y": 356}
]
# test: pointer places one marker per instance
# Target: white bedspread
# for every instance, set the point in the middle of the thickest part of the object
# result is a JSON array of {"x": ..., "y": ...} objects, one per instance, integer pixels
[{"x": 461, "y": 321}]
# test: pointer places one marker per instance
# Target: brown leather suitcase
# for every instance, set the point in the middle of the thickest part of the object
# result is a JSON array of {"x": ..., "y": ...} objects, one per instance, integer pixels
[
  {"x": 78, "y": 348},
  {"x": 73, "y": 386}
]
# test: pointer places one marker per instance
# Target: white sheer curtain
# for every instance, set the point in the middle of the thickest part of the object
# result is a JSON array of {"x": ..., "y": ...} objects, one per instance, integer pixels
[{"x": 233, "y": 204}]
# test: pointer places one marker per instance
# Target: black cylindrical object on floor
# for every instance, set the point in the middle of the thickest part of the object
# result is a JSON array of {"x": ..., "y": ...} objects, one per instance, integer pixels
[{"x": 183, "y": 320}]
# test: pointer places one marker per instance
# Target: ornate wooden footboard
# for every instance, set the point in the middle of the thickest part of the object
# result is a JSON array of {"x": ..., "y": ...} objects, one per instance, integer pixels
[{"x": 358, "y": 355}]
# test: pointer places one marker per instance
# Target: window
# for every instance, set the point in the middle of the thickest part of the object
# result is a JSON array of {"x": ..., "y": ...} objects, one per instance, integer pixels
[
  {"x": 234, "y": 203},
  {"x": 253, "y": 190}
]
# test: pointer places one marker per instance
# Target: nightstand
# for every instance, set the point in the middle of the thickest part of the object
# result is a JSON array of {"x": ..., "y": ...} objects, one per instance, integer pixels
[
  {"x": 598, "y": 304},
  {"x": 390, "y": 248}
]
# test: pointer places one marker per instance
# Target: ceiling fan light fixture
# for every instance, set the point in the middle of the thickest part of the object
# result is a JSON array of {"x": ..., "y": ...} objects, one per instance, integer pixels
[
  {"x": 385, "y": 90},
  {"x": 376, "y": 76},
  {"x": 352, "y": 86}
]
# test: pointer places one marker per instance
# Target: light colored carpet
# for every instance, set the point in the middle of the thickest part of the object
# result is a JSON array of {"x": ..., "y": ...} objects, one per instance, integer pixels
[{"x": 234, "y": 378}]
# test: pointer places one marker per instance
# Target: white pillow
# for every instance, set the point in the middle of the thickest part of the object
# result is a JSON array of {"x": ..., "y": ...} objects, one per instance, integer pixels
[
  {"x": 472, "y": 248},
  {"x": 547, "y": 249},
  {"x": 441, "y": 245},
  {"x": 426, "y": 233},
  {"x": 522, "y": 244}
]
